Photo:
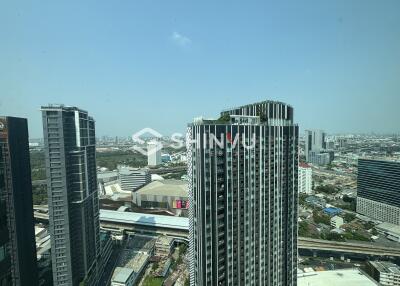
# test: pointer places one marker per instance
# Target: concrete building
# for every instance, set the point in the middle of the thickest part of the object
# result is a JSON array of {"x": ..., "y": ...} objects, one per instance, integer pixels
[
  {"x": 243, "y": 190},
  {"x": 107, "y": 176},
  {"x": 353, "y": 277},
  {"x": 378, "y": 194},
  {"x": 391, "y": 231},
  {"x": 319, "y": 158},
  {"x": 18, "y": 265},
  {"x": 305, "y": 179},
  {"x": 163, "y": 246},
  {"x": 314, "y": 141},
  {"x": 133, "y": 260},
  {"x": 153, "y": 153},
  {"x": 386, "y": 273},
  {"x": 70, "y": 153},
  {"x": 131, "y": 179},
  {"x": 166, "y": 194},
  {"x": 337, "y": 221}
]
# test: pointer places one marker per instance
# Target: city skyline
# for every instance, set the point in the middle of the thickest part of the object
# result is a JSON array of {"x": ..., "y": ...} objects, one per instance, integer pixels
[
  {"x": 211, "y": 143},
  {"x": 334, "y": 62}
]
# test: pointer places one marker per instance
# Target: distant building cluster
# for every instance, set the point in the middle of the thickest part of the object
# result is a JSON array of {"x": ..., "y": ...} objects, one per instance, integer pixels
[
  {"x": 237, "y": 207},
  {"x": 316, "y": 151}
]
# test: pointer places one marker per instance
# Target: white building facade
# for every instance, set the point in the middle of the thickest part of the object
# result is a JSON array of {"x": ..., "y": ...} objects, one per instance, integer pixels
[
  {"x": 305, "y": 179},
  {"x": 153, "y": 153}
]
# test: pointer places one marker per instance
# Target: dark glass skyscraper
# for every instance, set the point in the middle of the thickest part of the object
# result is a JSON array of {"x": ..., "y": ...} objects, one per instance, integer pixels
[
  {"x": 69, "y": 136},
  {"x": 17, "y": 236},
  {"x": 243, "y": 180},
  {"x": 378, "y": 190}
]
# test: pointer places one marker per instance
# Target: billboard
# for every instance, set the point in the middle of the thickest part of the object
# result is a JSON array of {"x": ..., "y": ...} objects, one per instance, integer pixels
[{"x": 180, "y": 204}]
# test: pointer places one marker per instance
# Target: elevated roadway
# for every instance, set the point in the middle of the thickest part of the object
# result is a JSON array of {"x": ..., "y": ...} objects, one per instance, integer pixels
[{"x": 179, "y": 227}]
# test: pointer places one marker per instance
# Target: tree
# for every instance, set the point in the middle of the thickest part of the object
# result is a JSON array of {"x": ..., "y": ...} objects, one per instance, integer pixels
[
  {"x": 303, "y": 229},
  {"x": 327, "y": 189},
  {"x": 321, "y": 218},
  {"x": 224, "y": 118},
  {"x": 334, "y": 236},
  {"x": 349, "y": 217}
]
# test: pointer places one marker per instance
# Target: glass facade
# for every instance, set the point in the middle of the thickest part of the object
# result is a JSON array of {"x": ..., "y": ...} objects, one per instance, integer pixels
[
  {"x": 17, "y": 237},
  {"x": 243, "y": 197},
  {"x": 69, "y": 135}
]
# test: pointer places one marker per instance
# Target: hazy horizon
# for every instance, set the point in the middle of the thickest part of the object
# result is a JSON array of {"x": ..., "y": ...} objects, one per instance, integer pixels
[{"x": 159, "y": 64}]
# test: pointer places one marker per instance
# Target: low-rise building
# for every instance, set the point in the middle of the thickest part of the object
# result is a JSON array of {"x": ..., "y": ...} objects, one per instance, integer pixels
[
  {"x": 166, "y": 194},
  {"x": 131, "y": 179},
  {"x": 133, "y": 261},
  {"x": 331, "y": 211},
  {"x": 316, "y": 201},
  {"x": 386, "y": 273},
  {"x": 391, "y": 231},
  {"x": 353, "y": 277},
  {"x": 337, "y": 221},
  {"x": 163, "y": 246}
]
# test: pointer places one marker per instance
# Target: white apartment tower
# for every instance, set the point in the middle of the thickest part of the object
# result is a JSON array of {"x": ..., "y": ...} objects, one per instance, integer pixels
[
  {"x": 153, "y": 153},
  {"x": 305, "y": 178}
]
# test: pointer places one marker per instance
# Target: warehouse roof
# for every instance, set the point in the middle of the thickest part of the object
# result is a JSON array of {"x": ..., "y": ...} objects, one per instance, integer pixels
[
  {"x": 176, "y": 188},
  {"x": 152, "y": 220},
  {"x": 389, "y": 227},
  {"x": 353, "y": 277}
]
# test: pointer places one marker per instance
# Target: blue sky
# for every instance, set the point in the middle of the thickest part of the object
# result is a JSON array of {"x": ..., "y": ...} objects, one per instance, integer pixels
[{"x": 135, "y": 64}]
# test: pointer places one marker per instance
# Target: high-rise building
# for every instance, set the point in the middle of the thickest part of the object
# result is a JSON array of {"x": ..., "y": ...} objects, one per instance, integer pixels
[
  {"x": 319, "y": 158},
  {"x": 17, "y": 235},
  {"x": 243, "y": 195},
  {"x": 378, "y": 190},
  {"x": 305, "y": 178},
  {"x": 70, "y": 153},
  {"x": 314, "y": 141},
  {"x": 131, "y": 179},
  {"x": 153, "y": 153}
]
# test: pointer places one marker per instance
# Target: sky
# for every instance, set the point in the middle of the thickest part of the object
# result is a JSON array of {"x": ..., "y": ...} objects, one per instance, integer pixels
[{"x": 155, "y": 63}]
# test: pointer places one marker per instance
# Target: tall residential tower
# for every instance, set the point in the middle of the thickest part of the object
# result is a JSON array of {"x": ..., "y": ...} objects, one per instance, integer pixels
[
  {"x": 17, "y": 235},
  {"x": 243, "y": 179},
  {"x": 69, "y": 136},
  {"x": 378, "y": 190},
  {"x": 314, "y": 141}
]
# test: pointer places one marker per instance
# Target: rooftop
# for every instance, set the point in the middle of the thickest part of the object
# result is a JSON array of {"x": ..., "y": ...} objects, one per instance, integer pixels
[
  {"x": 121, "y": 274},
  {"x": 386, "y": 267},
  {"x": 162, "y": 221},
  {"x": 170, "y": 187},
  {"x": 389, "y": 227},
  {"x": 353, "y": 277},
  {"x": 304, "y": 165}
]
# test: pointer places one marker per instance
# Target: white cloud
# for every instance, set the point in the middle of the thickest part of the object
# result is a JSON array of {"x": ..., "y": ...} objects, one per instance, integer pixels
[{"x": 180, "y": 39}]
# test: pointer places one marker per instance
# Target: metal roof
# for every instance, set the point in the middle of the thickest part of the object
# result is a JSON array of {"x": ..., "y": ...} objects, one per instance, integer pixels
[
  {"x": 151, "y": 220},
  {"x": 122, "y": 274},
  {"x": 170, "y": 187},
  {"x": 353, "y": 277}
]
